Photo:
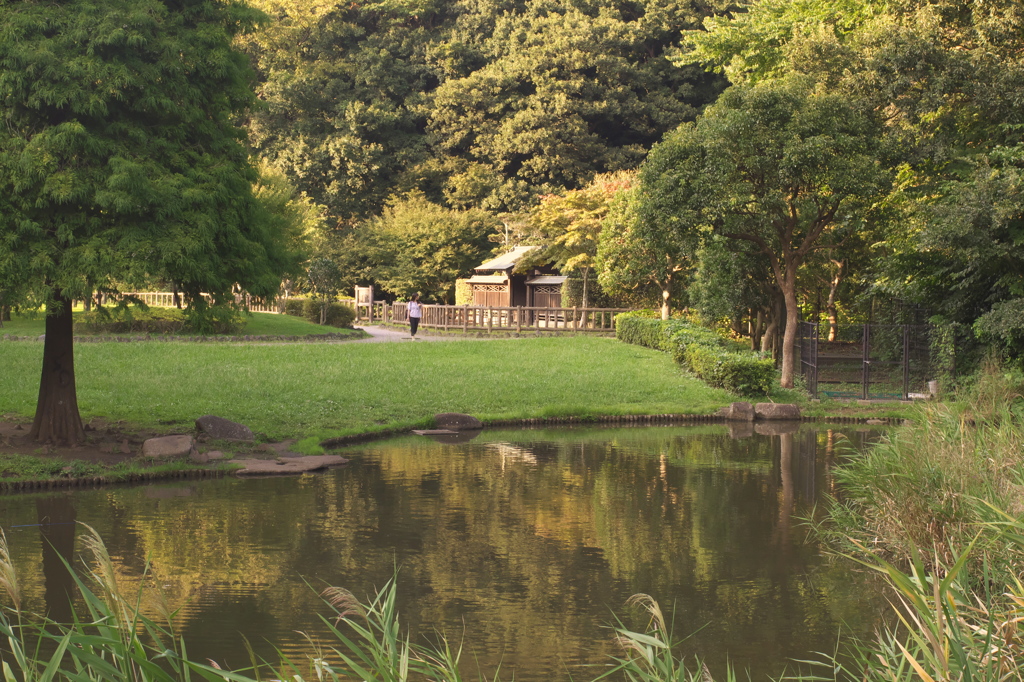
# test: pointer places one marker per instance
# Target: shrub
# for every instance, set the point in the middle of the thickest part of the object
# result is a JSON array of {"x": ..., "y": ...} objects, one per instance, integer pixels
[
  {"x": 740, "y": 372},
  {"x": 137, "y": 320},
  {"x": 641, "y": 330},
  {"x": 463, "y": 292},
  {"x": 131, "y": 319},
  {"x": 217, "y": 319},
  {"x": 338, "y": 314},
  {"x": 296, "y": 307},
  {"x": 700, "y": 350}
]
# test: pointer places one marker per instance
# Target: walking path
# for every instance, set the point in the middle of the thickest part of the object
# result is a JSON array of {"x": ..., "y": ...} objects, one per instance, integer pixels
[
  {"x": 382, "y": 335},
  {"x": 385, "y": 335}
]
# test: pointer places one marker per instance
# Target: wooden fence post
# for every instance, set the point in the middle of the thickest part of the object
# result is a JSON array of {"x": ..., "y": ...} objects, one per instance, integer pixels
[{"x": 575, "y": 322}]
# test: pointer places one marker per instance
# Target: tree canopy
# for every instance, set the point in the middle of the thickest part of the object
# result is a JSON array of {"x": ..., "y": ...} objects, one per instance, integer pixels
[
  {"x": 780, "y": 167},
  {"x": 121, "y": 163}
]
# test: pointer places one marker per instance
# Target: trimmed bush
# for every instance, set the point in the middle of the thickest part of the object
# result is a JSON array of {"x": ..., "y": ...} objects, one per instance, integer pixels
[
  {"x": 338, "y": 314},
  {"x": 641, "y": 330},
  {"x": 744, "y": 373},
  {"x": 700, "y": 350}
]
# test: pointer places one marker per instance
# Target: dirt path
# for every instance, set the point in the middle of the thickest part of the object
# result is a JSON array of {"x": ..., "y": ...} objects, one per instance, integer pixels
[{"x": 383, "y": 335}]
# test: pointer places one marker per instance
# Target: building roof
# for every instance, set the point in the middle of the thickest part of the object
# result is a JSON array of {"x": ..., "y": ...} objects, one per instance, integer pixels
[
  {"x": 488, "y": 279},
  {"x": 547, "y": 279},
  {"x": 506, "y": 261}
]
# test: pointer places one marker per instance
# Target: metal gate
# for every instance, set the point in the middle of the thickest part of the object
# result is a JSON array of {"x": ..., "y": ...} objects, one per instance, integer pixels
[{"x": 866, "y": 361}]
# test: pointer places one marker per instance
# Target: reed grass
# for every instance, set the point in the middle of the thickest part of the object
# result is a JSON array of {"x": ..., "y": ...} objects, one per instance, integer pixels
[
  {"x": 929, "y": 486},
  {"x": 938, "y": 510}
]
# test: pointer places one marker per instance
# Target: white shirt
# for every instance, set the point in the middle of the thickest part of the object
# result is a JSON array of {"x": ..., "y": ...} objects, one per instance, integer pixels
[{"x": 415, "y": 309}]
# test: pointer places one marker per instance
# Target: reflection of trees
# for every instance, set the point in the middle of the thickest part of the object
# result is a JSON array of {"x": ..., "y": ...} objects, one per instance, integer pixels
[{"x": 530, "y": 553}]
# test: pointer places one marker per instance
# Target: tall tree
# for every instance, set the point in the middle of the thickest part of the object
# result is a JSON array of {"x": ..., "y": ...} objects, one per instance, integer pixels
[
  {"x": 421, "y": 247},
  {"x": 634, "y": 252},
  {"x": 568, "y": 226},
  {"x": 121, "y": 162},
  {"x": 948, "y": 78},
  {"x": 780, "y": 166}
]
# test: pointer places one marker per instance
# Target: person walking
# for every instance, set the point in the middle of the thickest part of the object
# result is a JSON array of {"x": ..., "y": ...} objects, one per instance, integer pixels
[{"x": 415, "y": 313}]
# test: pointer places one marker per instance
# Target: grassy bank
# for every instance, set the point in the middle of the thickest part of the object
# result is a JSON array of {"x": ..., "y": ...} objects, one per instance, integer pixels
[
  {"x": 19, "y": 472},
  {"x": 288, "y": 390}
]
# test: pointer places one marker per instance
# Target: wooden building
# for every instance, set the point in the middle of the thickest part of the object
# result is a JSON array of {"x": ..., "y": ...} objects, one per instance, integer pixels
[{"x": 497, "y": 286}]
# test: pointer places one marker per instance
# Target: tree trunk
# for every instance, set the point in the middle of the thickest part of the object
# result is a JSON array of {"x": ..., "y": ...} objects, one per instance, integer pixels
[
  {"x": 768, "y": 340},
  {"x": 736, "y": 324},
  {"x": 756, "y": 328},
  {"x": 666, "y": 288},
  {"x": 789, "y": 333},
  {"x": 57, "y": 418},
  {"x": 830, "y": 305}
]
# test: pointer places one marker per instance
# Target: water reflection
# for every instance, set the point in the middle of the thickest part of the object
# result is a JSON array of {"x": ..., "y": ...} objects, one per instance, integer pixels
[{"x": 527, "y": 540}]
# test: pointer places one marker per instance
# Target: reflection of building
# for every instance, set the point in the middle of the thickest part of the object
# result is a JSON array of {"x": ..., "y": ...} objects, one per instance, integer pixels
[
  {"x": 496, "y": 285},
  {"x": 514, "y": 453}
]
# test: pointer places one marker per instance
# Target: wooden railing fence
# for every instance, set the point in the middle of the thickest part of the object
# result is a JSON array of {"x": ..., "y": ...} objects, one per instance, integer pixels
[
  {"x": 451, "y": 317},
  {"x": 165, "y": 299},
  {"x": 491, "y": 318}
]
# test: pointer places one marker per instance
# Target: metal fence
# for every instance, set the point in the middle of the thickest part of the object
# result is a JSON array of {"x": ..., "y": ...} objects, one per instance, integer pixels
[
  {"x": 517, "y": 319},
  {"x": 867, "y": 361}
]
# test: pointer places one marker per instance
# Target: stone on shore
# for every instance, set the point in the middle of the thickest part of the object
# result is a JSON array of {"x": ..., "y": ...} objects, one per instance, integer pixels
[
  {"x": 168, "y": 447},
  {"x": 224, "y": 429},
  {"x": 287, "y": 465},
  {"x": 741, "y": 412},
  {"x": 777, "y": 411},
  {"x": 456, "y": 421}
]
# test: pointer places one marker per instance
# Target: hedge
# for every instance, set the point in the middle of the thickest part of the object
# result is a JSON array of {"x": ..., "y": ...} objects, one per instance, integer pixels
[{"x": 700, "y": 350}]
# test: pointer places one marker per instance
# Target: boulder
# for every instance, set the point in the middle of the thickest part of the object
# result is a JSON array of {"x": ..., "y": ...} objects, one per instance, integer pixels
[
  {"x": 455, "y": 421},
  {"x": 742, "y": 412},
  {"x": 220, "y": 428},
  {"x": 776, "y": 411},
  {"x": 168, "y": 447}
]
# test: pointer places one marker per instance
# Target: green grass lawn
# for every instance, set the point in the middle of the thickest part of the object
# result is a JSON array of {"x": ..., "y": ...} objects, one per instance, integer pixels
[
  {"x": 296, "y": 390},
  {"x": 257, "y": 324}
]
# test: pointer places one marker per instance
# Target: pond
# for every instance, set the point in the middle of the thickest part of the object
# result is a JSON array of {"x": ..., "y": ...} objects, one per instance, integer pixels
[{"x": 522, "y": 544}]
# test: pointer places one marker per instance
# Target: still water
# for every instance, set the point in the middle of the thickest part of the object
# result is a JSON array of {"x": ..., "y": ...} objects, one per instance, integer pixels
[{"x": 521, "y": 544}]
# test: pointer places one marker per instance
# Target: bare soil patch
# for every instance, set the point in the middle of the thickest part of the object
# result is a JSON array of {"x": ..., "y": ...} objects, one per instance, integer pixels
[{"x": 110, "y": 443}]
